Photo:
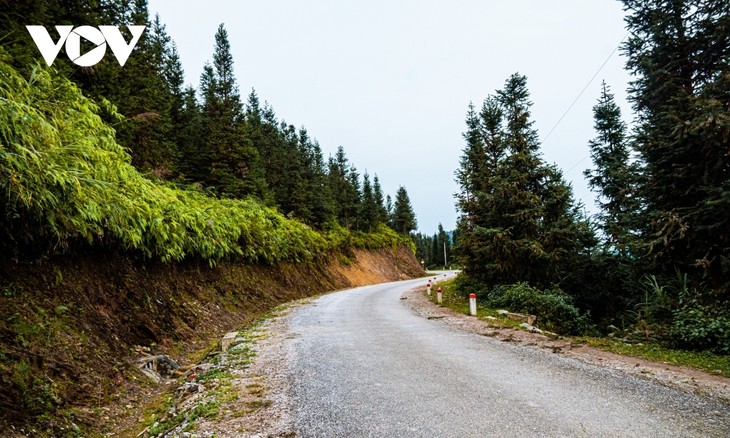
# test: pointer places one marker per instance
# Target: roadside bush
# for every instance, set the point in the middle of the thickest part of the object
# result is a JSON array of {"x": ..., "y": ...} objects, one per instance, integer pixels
[
  {"x": 553, "y": 307},
  {"x": 698, "y": 327},
  {"x": 466, "y": 284}
]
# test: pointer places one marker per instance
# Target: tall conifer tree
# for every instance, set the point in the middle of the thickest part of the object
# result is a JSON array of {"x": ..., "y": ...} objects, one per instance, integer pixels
[
  {"x": 404, "y": 219},
  {"x": 235, "y": 169},
  {"x": 679, "y": 51},
  {"x": 518, "y": 219},
  {"x": 615, "y": 174}
]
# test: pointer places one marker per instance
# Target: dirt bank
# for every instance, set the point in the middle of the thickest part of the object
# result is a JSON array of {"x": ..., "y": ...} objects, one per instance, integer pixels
[{"x": 72, "y": 326}]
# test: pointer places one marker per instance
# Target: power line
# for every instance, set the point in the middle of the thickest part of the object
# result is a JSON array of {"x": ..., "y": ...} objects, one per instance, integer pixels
[{"x": 584, "y": 89}]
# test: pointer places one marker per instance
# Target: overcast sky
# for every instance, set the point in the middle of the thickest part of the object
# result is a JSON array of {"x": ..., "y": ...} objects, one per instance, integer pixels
[{"x": 391, "y": 80}]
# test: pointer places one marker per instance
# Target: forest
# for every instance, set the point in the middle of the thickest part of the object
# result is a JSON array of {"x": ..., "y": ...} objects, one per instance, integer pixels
[
  {"x": 654, "y": 263},
  {"x": 128, "y": 158}
]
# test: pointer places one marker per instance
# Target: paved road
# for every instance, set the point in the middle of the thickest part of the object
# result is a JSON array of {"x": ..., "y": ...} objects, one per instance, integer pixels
[{"x": 365, "y": 366}]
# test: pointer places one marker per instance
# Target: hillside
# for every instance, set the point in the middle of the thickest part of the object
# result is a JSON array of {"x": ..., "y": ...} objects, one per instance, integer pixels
[
  {"x": 75, "y": 325},
  {"x": 101, "y": 262}
]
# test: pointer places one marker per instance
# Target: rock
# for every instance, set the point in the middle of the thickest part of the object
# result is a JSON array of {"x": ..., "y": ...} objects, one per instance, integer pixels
[
  {"x": 227, "y": 340},
  {"x": 530, "y": 328},
  {"x": 158, "y": 367},
  {"x": 530, "y": 319},
  {"x": 189, "y": 388}
]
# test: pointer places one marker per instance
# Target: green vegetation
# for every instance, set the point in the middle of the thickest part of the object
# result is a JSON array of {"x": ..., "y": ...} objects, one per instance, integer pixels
[
  {"x": 554, "y": 307},
  {"x": 64, "y": 177},
  {"x": 654, "y": 262},
  {"x": 703, "y": 360},
  {"x": 219, "y": 387},
  {"x": 432, "y": 249},
  {"x": 128, "y": 159}
]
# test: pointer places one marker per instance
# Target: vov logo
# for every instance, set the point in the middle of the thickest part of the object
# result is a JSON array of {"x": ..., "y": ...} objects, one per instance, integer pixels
[{"x": 72, "y": 37}]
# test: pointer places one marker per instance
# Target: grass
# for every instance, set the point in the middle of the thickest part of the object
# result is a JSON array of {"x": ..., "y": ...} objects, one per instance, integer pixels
[
  {"x": 219, "y": 386},
  {"x": 459, "y": 303},
  {"x": 701, "y": 360}
]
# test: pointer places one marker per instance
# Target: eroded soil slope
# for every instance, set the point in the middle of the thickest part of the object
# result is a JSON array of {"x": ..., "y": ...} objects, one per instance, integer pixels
[{"x": 72, "y": 326}]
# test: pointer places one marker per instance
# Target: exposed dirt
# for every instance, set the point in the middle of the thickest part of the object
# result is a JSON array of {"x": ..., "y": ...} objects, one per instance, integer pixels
[
  {"x": 73, "y": 326},
  {"x": 681, "y": 378}
]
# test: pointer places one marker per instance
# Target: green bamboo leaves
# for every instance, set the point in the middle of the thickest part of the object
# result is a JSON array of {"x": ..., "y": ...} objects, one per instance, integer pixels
[{"x": 64, "y": 176}]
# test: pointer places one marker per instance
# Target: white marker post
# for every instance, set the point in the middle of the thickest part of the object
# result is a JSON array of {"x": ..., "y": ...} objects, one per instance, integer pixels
[
  {"x": 428, "y": 288},
  {"x": 439, "y": 296},
  {"x": 473, "y": 304}
]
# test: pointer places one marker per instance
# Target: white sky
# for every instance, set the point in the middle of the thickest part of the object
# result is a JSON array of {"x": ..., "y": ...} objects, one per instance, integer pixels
[{"x": 391, "y": 80}]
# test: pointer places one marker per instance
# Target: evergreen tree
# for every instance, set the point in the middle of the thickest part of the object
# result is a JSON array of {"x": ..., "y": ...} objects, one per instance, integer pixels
[
  {"x": 518, "y": 219},
  {"x": 148, "y": 132},
  {"x": 614, "y": 176},
  {"x": 353, "y": 204},
  {"x": 679, "y": 52},
  {"x": 423, "y": 249},
  {"x": 322, "y": 207},
  {"x": 381, "y": 213},
  {"x": 235, "y": 168},
  {"x": 443, "y": 243},
  {"x": 404, "y": 219},
  {"x": 344, "y": 185},
  {"x": 193, "y": 159},
  {"x": 437, "y": 257},
  {"x": 389, "y": 211},
  {"x": 369, "y": 211}
]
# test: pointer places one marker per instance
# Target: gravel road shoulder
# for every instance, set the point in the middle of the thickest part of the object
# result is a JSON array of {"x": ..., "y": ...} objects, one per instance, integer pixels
[
  {"x": 684, "y": 379},
  {"x": 266, "y": 412}
]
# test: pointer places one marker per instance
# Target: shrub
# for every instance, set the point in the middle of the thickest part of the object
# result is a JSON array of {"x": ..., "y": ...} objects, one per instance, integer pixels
[
  {"x": 699, "y": 327},
  {"x": 554, "y": 309}
]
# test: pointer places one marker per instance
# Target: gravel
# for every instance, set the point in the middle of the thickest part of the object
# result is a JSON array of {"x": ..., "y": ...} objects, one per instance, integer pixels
[{"x": 362, "y": 364}]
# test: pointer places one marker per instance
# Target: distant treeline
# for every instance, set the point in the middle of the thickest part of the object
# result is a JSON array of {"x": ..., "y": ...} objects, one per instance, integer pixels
[{"x": 654, "y": 263}]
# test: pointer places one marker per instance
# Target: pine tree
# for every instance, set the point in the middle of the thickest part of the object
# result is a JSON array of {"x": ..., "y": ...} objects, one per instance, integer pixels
[
  {"x": 344, "y": 184},
  {"x": 235, "y": 168},
  {"x": 404, "y": 219},
  {"x": 518, "y": 219},
  {"x": 193, "y": 160},
  {"x": 615, "y": 175},
  {"x": 322, "y": 204},
  {"x": 423, "y": 249},
  {"x": 444, "y": 246},
  {"x": 353, "y": 206},
  {"x": 389, "y": 211},
  {"x": 679, "y": 52},
  {"x": 381, "y": 213},
  {"x": 369, "y": 210}
]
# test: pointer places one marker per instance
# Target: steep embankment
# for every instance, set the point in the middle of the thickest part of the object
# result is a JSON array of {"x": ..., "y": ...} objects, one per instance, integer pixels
[{"x": 72, "y": 326}]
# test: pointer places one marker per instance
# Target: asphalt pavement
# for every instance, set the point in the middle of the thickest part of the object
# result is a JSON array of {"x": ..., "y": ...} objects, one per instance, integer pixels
[{"x": 364, "y": 365}]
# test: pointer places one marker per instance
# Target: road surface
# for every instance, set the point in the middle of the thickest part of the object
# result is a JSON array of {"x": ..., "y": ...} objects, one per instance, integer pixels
[{"x": 365, "y": 366}]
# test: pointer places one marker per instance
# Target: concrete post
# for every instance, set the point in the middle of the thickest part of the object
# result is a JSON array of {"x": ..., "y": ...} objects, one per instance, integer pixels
[
  {"x": 428, "y": 288},
  {"x": 439, "y": 296},
  {"x": 473, "y": 304}
]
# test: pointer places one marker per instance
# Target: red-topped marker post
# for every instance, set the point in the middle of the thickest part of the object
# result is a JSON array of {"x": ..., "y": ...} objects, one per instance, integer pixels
[
  {"x": 473, "y": 304},
  {"x": 428, "y": 288},
  {"x": 439, "y": 296}
]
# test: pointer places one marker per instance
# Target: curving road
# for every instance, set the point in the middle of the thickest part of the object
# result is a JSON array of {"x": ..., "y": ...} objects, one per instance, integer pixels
[{"x": 365, "y": 366}]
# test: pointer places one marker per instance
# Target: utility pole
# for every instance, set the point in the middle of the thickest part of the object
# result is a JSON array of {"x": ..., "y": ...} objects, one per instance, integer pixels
[{"x": 445, "y": 261}]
